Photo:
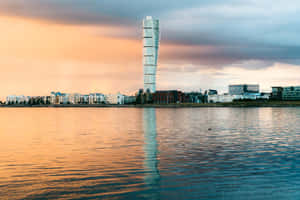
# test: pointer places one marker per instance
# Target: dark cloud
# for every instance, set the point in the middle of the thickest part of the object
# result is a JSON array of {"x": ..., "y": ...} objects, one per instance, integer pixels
[
  {"x": 240, "y": 30},
  {"x": 116, "y": 12}
]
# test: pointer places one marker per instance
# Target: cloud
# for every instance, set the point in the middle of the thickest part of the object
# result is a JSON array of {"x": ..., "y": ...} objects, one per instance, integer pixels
[
  {"x": 276, "y": 74},
  {"x": 115, "y": 12},
  {"x": 237, "y": 30}
]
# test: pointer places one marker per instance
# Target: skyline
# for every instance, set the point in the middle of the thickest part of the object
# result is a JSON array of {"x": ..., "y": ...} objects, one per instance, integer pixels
[{"x": 96, "y": 46}]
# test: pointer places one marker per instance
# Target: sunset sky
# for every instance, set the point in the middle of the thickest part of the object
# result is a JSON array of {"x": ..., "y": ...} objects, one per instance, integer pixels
[{"x": 96, "y": 45}]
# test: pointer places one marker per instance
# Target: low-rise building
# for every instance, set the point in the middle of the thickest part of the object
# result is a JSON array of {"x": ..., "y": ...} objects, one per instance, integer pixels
[
  {"x": 96, "y": 98},
  {"x": 115, "y": 99},
  {"x": 221, "y": 98},
  {"x": 193, "y": 97},
  {"x": 291, "y": 93},
  {"x": 167, "y": 97},
  {"x": 55, "y": 97},
  {"x": 84, "y": 99},
  {"x": 74, "y": 98},
  {"x": 276, "y": 93},
  {"x": 129, "y": 99},
  {"x": 243, "y": 89},
  {"x": 15, "y": 99},
  {"x": 225, "y": 98}
]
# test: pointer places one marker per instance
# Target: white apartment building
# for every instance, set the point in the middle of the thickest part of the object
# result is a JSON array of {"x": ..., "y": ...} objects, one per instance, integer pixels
[
  {"x": 96, "y": 98},
  {"x": 115, "y": 99}
]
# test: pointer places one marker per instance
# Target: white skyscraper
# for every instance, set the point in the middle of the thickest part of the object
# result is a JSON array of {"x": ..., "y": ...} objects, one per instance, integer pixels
[{"x": 151, "y": 46}]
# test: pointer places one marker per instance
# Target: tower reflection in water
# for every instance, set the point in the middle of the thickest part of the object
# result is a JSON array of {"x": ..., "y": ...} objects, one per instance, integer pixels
[{"x": 152, "y": 176}]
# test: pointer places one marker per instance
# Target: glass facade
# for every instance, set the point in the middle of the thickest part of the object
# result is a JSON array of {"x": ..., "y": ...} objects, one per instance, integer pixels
[
  {"x": 150, "y": 52},
  {"x": 291, "y": 93},
  {"x": 243, "y": 89}
]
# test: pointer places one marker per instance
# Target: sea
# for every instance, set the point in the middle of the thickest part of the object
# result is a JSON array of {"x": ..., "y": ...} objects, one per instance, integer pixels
[{"x": 148, "y": 153}]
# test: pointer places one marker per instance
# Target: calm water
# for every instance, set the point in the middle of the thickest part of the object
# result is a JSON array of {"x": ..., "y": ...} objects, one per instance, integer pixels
[{"x": 110, "y": 153}]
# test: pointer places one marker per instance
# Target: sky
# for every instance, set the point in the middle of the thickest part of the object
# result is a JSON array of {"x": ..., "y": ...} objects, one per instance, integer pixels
[{"x": 96, "y": 45}]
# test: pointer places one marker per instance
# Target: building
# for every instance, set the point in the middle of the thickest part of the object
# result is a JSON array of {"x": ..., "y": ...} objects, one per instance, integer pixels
[
  {"x": 221, "y": 98},
  {"x": 129, "y": 99},
  {"x": 276, "y": 93},
  {"x": 55, "y": 97},
  {"x": 291, "y": 93},
  {"x": 167, "y": 97},
  {"x": 225, "y": 98},
  {"x": 46, "y": 99},
  {"x": 193, "y": 97},
  {"x": 243, "y": 89},
  {"x": 14, "y": 99},
  {"x": 64, "y": 98},
  {"x": 96, "y": 98},
  {"x": 150, "y": 52},
  {"x": 115, "y": 99},
  {"x": 84, "y": 99},
  {"x": 74, "y": 98},
  {"x": 212, "y": 92}
]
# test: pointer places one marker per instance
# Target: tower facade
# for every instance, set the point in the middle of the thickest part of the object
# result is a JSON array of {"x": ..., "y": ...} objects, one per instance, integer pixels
[{"x": 150, "y": 52}]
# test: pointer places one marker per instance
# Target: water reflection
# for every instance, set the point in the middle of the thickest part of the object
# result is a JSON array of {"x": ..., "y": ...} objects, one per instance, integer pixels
[
  {"x": 152, "y": 176},
  {"x": 114, "y": 153}
]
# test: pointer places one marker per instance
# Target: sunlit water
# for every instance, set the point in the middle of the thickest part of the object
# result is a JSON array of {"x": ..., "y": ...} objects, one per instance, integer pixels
[{"x": 119, "y": 153}]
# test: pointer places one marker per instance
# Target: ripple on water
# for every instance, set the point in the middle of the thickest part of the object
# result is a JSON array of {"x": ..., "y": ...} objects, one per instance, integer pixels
[{"x": 205, "y": 153}]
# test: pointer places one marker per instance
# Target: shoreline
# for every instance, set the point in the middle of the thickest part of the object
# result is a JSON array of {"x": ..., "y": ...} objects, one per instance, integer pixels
[{"x": 184, "y": 105}]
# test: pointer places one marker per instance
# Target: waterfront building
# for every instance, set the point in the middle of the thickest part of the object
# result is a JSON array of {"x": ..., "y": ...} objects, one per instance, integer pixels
[
  {"x": 193, "y": 97},
  {"x": 46, "y": 99},
  {"x": 129, "y": 99},
  {"x": 276, "y": 93},
  {"x": 143, "y": 97},
  {"x": 209, "y": 92},
  {"x": 55, "y": 97},
  {"x": 243, "y": 89},
  {"x": 64, "y": 98},
  {"x": 84, "y": 99},
  {"x": 291, "y": 93},
  {"x": 15, "y": 99},
  {"x": 11, "y": 99},
  {"x": 96, "y": 98},
  {"x": 212, "y": 92},
  {"x": 167, "y": 97},
  {"x": 74, "y": 98},
  {"x": 225, "y": 98},
  {"x": 114, "y": 99},
  {"x": 265, "y": 96},
  {"x": 150, "y": 52},
  {"x": 221, "y": 98}
]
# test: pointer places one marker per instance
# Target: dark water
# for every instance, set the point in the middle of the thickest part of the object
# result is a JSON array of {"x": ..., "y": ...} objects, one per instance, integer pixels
[{"x": 111, "y": 153}]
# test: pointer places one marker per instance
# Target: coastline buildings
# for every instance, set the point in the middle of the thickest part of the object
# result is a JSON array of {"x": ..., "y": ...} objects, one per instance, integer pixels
[
  {"x": 243, "y": 89},
  {"x": 115, "y": 99},
  {"x": 150, "y": 52},
  {"x": 167, "y": 97},
  {"x": 220, "y": 98},
  {"x": 238, "y": 92},
  {"x": 96, "y": 98},
  {"x": 291, "y": 93},
  {"x": 14, "y": 99},
  {"x": 276, "y": 93},
  {"x": 92, "y": 98}
]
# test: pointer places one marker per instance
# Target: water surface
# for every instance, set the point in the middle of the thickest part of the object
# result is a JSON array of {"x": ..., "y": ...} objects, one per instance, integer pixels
[{"x": 128, "y": 153}]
